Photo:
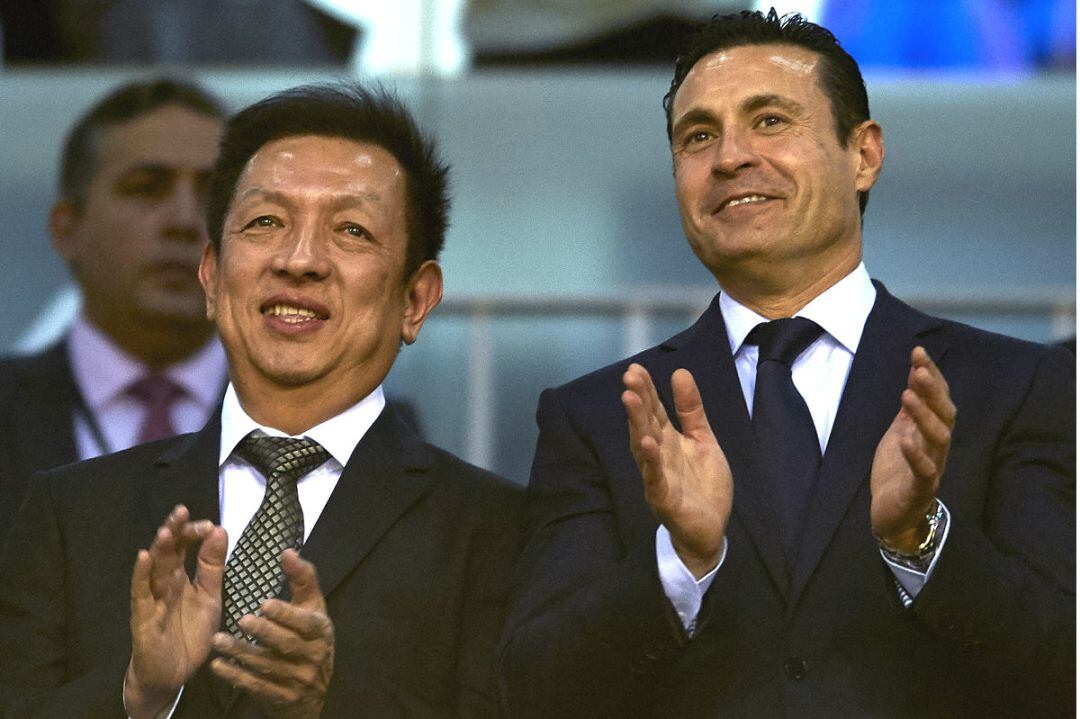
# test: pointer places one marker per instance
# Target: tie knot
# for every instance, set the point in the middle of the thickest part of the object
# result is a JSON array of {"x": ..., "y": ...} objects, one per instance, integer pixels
[
  {"x": 783, "y": 340},
  {"x": 155, "y": 390},
  {"x": 282, "y": 456}
]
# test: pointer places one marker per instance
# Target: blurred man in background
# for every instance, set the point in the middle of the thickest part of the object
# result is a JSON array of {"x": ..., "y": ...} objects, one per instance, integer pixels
[{"x": 140, "y": 362}]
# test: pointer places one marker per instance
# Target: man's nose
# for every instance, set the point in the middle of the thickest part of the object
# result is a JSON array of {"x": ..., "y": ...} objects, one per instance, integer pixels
[
  {"x": 302, "y": 254},
  {"x": 185, "y": 212},
  {"x": 733, "y": 151}
]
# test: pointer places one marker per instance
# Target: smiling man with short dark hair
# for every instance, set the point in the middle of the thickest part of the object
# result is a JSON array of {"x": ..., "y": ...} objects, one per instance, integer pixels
[
  {"x": 336, "y": 565},
  {"x": 827, "y": 504}
]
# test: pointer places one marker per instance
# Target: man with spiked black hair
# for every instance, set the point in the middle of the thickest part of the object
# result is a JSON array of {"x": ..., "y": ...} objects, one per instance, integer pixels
[{"x": 827, "y": 504}]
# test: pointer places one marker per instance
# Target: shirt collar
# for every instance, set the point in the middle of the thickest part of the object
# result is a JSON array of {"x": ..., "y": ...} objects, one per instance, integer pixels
[
  {"x": 338, "y": 435},
  {"x": 103, "y": 371},
  {"x": 841, "y": 311}
]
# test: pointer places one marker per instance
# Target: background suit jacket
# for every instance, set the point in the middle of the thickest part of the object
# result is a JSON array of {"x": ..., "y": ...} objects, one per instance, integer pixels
[
  {"x": 413, "y": 553},
  {"x": 38, "y": 399},
  {"x": 592, "y": 634}
]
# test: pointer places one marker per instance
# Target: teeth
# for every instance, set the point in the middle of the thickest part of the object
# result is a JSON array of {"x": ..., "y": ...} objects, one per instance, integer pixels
[
  {"x": 745, "y": 200},
  {"x": 291, "y": 314}
]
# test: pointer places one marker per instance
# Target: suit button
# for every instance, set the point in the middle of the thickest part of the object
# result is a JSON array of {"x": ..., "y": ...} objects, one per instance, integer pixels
[{"x": 795, "y": 668}]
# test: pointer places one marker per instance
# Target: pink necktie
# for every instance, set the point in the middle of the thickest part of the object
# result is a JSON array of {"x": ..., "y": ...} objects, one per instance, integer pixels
[{"x": 157, "y": 393}]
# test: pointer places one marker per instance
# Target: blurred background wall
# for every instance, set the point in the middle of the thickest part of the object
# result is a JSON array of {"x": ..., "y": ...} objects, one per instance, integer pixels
[{"x": 565, "y": 251}]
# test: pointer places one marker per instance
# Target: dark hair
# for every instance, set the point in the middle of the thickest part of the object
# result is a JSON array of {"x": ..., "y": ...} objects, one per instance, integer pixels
[
  {"x": 838, "y": 74},
  {"x": 352, "y": 112},
  {"x": 79, "y": 159}
]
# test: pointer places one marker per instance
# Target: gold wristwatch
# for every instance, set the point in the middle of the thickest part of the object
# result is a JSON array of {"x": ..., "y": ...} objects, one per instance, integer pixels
[{"x": 919, "y": 560}]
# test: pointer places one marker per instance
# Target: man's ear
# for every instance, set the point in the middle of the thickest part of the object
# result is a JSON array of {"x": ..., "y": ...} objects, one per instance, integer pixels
[
  {"x": 868, "y": 152},
  {"x": 423, "y": 292},
  {"x": 208, "y": 279},
  {"x": 63, "y": 222}
]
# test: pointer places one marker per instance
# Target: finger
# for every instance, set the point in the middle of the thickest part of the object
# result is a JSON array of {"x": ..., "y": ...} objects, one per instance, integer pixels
[
  {"x": 165, "y": 562},
  {"x": 191, "y": 533},
  {"x": 177, "y": 517},
  {"x": 211, "y": 561},
  {"x": 926, "y": 379},
  {"x": 142, "y": 599},
  {"x": 923, "y": 466},
  {"x": 636, "y": 413},
  {"x": 308, "y": 622},
  {"x": 643, "y": 446},
  {"x": 640, "y": 381},
  {"x": 688, "y": 405},
  {"x": 283, "y": 641},
  {"x": 256, "y": 659},
  {"x": 303, "y": 582},
  {"x": 263, "y": 688},
  {"x": 936, "y": 433}
]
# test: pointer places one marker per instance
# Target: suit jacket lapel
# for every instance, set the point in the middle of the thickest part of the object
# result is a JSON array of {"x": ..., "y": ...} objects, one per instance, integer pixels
[
  {"x": 186, "y": 473},
  {"x": 704, "y": 350},
  {"x": 383, "y": 478},
  {"x": 870, "y": 400}
]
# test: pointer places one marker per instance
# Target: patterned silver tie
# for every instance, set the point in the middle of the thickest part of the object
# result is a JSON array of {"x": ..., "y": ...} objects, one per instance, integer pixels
[{"x": 253, "y": 573}]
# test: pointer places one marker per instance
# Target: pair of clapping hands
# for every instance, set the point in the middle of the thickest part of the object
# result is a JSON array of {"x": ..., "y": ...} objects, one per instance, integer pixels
[
  {"x": 689, "y": 486},
  {"x": 175, "y": 621}
]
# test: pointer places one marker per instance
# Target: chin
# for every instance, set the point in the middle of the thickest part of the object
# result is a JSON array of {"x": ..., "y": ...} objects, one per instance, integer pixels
[{"x": 290, "y": 376}]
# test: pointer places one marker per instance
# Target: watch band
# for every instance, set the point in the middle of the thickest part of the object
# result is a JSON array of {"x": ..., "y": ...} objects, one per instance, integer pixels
[{"x": 919, "y": 560}]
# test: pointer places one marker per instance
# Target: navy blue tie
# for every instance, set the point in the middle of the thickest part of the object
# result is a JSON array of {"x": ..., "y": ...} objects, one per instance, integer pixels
[{"x": 787, "y": 442}]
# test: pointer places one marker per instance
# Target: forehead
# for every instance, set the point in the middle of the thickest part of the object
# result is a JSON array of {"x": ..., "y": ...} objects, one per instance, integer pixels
[
  {"x": 317, "y": 167},
  {"x": 726, "y": 76},
  {"x": 169, "y": 136}
]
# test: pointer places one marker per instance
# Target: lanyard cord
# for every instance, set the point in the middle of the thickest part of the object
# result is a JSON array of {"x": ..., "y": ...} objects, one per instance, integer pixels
[{"x": 92, "y": 424}]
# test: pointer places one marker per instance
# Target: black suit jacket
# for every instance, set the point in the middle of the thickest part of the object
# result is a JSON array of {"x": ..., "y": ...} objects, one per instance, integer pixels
[
  {"x": 992, "y": 633},
  {"x": 413, "y": 553},
  {"x": 38, "y": 399}
]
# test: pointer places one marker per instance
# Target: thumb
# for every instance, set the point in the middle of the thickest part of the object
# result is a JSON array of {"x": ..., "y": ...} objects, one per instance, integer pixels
[
  {"x": 211, "y": 561},
  {"x": 303, "y": 580}
]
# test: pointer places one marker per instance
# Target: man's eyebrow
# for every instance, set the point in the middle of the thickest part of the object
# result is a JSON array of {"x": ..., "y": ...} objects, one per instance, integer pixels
[
  {"x": 336, "y": 202},
  {"x": 750, "y": 104},
  {"x": 692, "y": 117},
  {"x": 148, "y": 167},
  {"x": 758, "y": 102}
]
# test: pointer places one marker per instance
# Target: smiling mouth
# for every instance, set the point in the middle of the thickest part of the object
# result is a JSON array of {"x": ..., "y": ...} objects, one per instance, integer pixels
[
  {"x": 749, "y": 199},
  {"x": 292, "y": 314}
]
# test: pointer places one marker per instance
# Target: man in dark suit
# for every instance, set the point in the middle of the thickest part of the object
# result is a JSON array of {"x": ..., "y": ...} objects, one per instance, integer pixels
[
  {"x": 141, "y": 361},
  {"x": 828, "y": 504},
  {"x": 327, "y": 212}
]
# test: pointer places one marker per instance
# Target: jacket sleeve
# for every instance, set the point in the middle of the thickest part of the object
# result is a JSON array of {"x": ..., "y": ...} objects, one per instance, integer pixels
[
  {"x": 1003, "y": 593},
  {"x": 34, "y": 680},
  {"x": 589, "y": 624}
]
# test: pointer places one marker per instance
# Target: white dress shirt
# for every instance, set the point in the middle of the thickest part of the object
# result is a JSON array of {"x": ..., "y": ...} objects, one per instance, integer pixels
[
  {"x": 103, "y": 374},
  {"x": 241, "y": 487},
  {"x": 819, "y": 374}
]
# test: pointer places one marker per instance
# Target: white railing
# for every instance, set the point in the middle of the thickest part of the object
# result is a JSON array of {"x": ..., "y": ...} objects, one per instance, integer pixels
[{"x": 638, "y": 309}]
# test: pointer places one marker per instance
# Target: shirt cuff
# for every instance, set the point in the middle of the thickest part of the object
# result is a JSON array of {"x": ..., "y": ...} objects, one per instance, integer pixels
[
  {"x": 910, "y": 580},
  {"x": 165, "y": 713},
  {"x": 682, "y": 590}
]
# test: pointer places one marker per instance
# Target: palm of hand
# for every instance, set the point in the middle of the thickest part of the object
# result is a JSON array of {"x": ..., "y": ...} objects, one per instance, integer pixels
[
  {"x": 694, "y": 492},
  {"x": 176, "y": 636},
  {"x": 891, "y": 479}
]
